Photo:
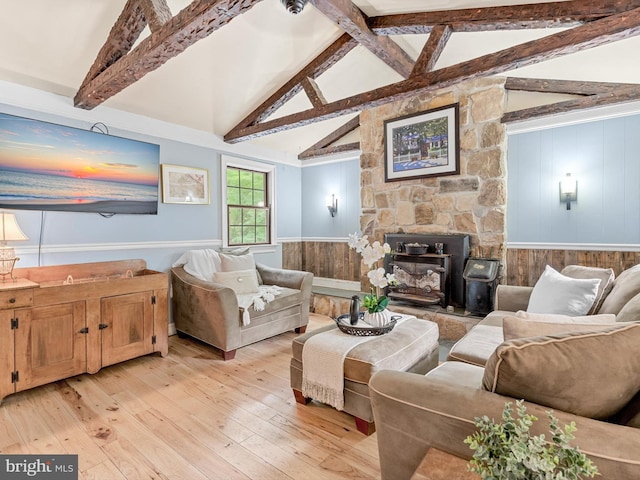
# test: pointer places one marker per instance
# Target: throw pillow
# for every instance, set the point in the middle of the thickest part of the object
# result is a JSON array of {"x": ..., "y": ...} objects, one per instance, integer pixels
[
  {"x": 514, "y": 327},
  {"x": 557, "y": 318},
  {"x": 557, "y": 293},
  {"x": 592, "y": 374},
  {"x": 625, "y": 287},
  {"x": 233, "y": 263},
  {"x": 606, "y": 276},
  {"x": 631, "y": 311},
  {"x": 241, "y": 281}
]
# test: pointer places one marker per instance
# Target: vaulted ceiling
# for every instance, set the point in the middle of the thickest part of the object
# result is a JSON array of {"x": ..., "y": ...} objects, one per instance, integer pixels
[{"x": 247, "y": 70}]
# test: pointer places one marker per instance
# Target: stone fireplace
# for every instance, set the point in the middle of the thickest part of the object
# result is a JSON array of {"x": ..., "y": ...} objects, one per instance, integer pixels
[{"x": 471, "y": 204}]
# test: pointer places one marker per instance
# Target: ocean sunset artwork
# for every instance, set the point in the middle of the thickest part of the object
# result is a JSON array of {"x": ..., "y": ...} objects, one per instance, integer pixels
[{"x": 44, "y": 166}]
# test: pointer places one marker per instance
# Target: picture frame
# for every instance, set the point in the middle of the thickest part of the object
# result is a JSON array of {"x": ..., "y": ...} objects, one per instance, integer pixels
[
  {"x": 185, "y": 185},
  {"x": 424, "y": 144}
]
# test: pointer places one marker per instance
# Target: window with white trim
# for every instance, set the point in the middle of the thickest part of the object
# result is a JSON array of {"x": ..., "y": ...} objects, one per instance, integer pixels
[{"x": 248, "y": 213}]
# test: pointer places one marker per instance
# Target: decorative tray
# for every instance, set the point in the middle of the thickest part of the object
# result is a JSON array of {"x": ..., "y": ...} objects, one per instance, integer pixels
[{"x": 362, "y": 329}]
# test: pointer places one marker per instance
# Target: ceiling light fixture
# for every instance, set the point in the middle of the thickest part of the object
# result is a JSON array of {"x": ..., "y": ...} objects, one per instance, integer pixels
[{"x": 294, "y": 6}]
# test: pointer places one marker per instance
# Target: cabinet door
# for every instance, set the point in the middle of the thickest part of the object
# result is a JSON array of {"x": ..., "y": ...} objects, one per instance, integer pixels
[
  {"x": 50, "y": 344},
  {"x": 127, "y": 327},
  {"x": 6, "y": 354}
]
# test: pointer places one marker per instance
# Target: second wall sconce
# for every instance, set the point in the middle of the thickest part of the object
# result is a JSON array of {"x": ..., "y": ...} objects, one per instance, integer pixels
[
  {"x": 568, "y": 190},
  {"x": 332, "y": 204}
]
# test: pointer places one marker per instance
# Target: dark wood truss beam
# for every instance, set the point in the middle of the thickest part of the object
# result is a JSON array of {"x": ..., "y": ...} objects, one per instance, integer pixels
[
  {"x": 329, "y": 57},
  {"x": 571, "y": 87},
  {"x": 600, "y": 94},
  {"x": 313, "y": 92},
  {"x": 432, "y": 49},
  {"x": 513, "y": 17},
  {"x": 351, "y": 19},
  {"x": 156, "y": 12},
  {"x": 326, "y": 151},
  {"x": 122, "y": 36},
  {"x": 323, "y": 147},
  {"x": 593, "y": 34},
  {"x": 193, "y": 23}
]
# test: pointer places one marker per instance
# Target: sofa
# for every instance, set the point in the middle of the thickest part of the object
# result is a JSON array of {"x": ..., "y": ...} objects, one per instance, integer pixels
[
  {"x": 585, "y": 368},
  {"x": 229, "y": 301}
]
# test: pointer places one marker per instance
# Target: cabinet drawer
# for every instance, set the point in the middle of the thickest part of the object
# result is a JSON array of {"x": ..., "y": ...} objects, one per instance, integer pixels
[{"x": 16, "y": 299}]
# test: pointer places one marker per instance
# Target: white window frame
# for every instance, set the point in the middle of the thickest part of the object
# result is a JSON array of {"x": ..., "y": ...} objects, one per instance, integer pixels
[{"x": 270, "y": 170}]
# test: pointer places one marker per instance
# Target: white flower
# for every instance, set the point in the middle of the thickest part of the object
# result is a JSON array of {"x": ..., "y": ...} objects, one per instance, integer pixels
[
  {"x": 357, "y": 242},
  {"x": 377, "y": 277}
]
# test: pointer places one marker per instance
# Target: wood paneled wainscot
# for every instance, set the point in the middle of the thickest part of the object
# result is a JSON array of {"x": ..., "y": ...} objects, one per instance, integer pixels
[{"x": 61, "y": 321}]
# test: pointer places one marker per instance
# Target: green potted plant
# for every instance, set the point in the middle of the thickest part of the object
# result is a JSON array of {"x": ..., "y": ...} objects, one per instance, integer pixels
[{"x": 507, "y": 451}]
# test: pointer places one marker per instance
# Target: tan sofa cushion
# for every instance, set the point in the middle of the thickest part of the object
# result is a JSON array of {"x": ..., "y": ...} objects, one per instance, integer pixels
[
  {"x": 514, "y": 327},
  {"x": 606, "y": 276},
  {"x": 631, "y": 311},
  {"x": 592, "y": 374},
  {"x": 557, "y": 318},
  {"x": 477, "y": 345},
  {"x": 625, "y": 287}
]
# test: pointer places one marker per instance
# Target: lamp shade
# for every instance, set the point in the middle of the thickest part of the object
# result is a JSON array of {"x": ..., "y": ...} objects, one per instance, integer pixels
[{"x": 9, "y": 228}]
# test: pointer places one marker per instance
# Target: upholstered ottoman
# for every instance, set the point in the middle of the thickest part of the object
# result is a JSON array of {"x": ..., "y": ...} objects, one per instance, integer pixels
[{"x": 411, "y": 346}]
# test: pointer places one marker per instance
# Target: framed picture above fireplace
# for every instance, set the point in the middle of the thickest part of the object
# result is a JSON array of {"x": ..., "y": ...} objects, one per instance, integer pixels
[{"x": 424, "y": 144}]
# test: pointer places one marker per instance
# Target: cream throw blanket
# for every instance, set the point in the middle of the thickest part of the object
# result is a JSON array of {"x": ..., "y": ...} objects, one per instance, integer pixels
[
  {"x": 258, "y": 300},
  {"x": 323, "y": 364}
]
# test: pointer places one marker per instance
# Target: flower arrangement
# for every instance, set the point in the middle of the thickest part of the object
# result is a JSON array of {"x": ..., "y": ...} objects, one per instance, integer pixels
[{"x": 371, "y": 255}]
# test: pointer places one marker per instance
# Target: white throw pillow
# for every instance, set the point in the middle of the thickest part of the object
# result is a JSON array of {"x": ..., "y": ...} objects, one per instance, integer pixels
[
  {"x": 233, "y": 263},
  {"x": 557, "y": 293},
  {"x": 241, "y": 281}
]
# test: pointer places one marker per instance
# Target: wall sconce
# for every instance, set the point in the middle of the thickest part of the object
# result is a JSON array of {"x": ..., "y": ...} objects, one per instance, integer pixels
[
  {"x": 568, "y": 190},
  {"x": 9, "y": 232},
  {"x": 332, "y": 204}
]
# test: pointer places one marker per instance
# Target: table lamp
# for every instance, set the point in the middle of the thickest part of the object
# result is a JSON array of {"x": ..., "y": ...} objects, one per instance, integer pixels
[{"x": 9, "y": 232}]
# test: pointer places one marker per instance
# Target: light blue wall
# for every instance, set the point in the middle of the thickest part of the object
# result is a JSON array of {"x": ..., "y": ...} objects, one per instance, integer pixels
[
  {"x": 319, "y": 181},
  {"x": 604, "y": 156},
  {"x": 159, "y": 239},
  {"x": 289, "y": 201}
]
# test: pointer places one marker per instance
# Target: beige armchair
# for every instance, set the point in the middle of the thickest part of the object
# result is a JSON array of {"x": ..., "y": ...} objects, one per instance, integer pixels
[{"x": 210, "y": 311}]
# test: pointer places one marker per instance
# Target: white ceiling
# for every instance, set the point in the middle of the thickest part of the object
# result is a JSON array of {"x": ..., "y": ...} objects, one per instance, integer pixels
[{"x": 50, "y": 45}]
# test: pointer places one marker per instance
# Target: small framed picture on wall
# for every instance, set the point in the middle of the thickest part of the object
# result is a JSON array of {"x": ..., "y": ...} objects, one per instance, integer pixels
[
  {"x": 424, "y": 144},
  {"x": 186, "y": 185}
]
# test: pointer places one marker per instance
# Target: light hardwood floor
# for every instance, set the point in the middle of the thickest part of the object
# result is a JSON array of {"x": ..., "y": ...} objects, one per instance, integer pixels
[{"x": 190, "y": 416}]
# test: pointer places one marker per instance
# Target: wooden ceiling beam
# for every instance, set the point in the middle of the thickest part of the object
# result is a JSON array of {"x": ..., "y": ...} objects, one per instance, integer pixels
[
  {"x": 122, "y": 36},
  {"x": 193, "y": 23},
  {"x": 313, "y": 92},
  {"x": 329, "y": 57},
  {"x": 322, "y": 147},
  {"x": 513, "y": 17},
  {"x": 571, "y": 87},
  {"x": 626, "y": 94},
  {"x": 593, "y": 34},
  {"x": 432, "y": 49},
  {"x": 332, "y": 150},
  {"x": 351, "y": 19},
  {"x": 157, "y": 13}
]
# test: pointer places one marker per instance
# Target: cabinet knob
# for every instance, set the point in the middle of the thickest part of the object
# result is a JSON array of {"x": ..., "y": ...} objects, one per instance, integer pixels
[{"x": 12, "y": 300}]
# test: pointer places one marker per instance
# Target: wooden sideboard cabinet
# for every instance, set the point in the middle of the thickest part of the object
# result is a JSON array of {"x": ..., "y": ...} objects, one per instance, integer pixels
[{"x": 61, "y": 321}]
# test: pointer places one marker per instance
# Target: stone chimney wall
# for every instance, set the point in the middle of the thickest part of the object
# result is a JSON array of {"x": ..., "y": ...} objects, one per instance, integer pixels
[{"x": 473, "y": 202}]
